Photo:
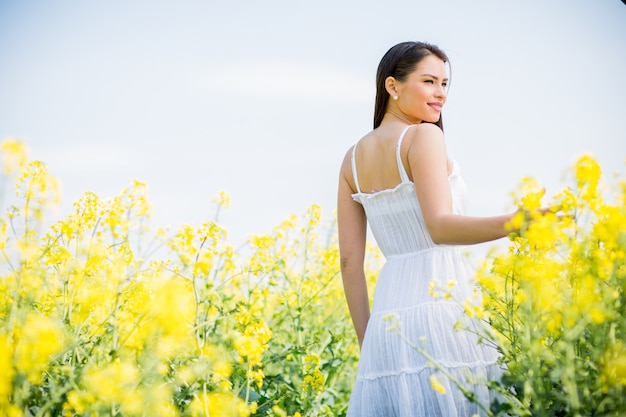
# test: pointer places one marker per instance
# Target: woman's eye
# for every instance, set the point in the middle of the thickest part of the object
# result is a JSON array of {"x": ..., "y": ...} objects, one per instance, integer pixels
[
  {"x": 445, "y": 85},
  {"x": 428, "y": 81}
]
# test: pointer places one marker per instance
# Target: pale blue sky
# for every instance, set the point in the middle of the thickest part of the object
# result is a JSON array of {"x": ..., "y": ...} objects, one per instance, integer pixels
[{"x": 262, "y": 99}]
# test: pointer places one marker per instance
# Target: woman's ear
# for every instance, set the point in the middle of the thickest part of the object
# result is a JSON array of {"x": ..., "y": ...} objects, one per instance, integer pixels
[{"x": 391, "y": 86}]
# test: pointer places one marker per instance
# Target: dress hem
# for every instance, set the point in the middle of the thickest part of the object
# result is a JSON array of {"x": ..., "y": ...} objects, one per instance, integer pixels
[{"x": 448, "y": 365}]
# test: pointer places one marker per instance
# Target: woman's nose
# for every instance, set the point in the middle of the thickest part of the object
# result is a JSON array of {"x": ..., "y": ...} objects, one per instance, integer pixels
[{"x": 442, "y": 91}]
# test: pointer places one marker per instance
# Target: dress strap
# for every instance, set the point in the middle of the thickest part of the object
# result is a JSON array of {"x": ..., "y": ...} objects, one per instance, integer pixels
[
  {"x": 403, "y": 175},
  {"x": 356, "y": 179}
]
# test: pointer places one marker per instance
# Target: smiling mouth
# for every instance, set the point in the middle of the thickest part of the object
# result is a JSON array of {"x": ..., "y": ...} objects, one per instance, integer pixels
[{"x": 436, "y": 106}]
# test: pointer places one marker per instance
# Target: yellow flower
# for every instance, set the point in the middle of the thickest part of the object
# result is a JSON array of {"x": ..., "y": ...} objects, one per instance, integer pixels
[
  {"x": 587, "y": 170},
  {"x": 516, "y": 222},
  {"x": 436, "y": 385},
  {"x": 222, "y": 199},
  {"x": 314, "y": 380},
  {"x": 218, "y": 404},
  {"x": 312, "y": 360},
  {"x": 249, "y": 348},
  {"x": 174, "y": 307},
  {"x": 256, "y": 376},
  {"x": 528, "y": 194},
  {"x": 39, "y": 189},
  {"x": 113, "y": 383},
  {"x": 6, "y": 376},
  {"x": 553, "y": 322},
  {"x": 597, "y": 316},
  {"x": 262, "y": 242},
  {"x": 614, "y": 371},
  {"x": 314, "y": 214},
  {"x": 432, "y": 286},
  {"x": 12, "y": 410},
  {"x": 38, "y": 340},
  {"x": 75, "y": 402},
  {"x": 587, "y": 298},
  {"x": 219, "y": 359},
  {"x": 473, "y": 310},
  {"x": 14, "y": 156}
]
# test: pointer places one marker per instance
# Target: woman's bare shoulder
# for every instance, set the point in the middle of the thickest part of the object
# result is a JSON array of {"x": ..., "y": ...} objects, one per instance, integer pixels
[
  {"x": 423, "y": 146},
  {"x": 425, "y": 130},
  {"x": 346, "y": 164},
  {"x": 423, "y": 135}
]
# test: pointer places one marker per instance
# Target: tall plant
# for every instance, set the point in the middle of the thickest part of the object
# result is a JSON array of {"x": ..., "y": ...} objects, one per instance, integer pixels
[{"x": 556, "y": 301}]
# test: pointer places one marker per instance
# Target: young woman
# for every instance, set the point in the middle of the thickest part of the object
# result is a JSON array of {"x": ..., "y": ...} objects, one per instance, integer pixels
[{"x": 400, "y": 179}]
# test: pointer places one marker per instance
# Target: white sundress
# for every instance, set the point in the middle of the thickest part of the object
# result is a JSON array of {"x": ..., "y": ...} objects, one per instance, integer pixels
[{"x": 393, "y": 379}]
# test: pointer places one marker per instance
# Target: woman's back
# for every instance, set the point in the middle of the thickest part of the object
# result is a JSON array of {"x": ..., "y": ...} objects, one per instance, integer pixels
[
  {"x": 389, "y": 197},
  {"x": 376, "y": 158},
  {"x": 377, "y": 155}
]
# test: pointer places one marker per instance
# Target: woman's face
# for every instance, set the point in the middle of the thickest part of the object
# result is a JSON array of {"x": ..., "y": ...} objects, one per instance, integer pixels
[{"x": 422, "y": 95}]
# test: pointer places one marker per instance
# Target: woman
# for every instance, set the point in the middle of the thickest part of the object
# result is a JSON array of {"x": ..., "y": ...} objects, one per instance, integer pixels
[{"x": 400, "y": 179}]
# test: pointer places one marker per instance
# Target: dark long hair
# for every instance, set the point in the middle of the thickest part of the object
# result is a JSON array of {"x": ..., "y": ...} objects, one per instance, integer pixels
[{"x": 399, "y": 62}]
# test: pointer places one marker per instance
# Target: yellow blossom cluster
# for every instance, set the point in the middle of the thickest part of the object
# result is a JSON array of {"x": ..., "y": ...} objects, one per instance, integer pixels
[
  {"x": 14, "y": 156},
  {"x": 555, "y": 301},
  {"x": 92, "y": 322},
  {"x": 313, "y": 377}
]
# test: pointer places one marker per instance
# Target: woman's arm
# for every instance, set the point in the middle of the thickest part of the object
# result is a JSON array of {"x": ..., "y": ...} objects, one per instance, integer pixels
[
  {"x": 352, "y": 227},
  {"x": 428, "y": 165}
]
